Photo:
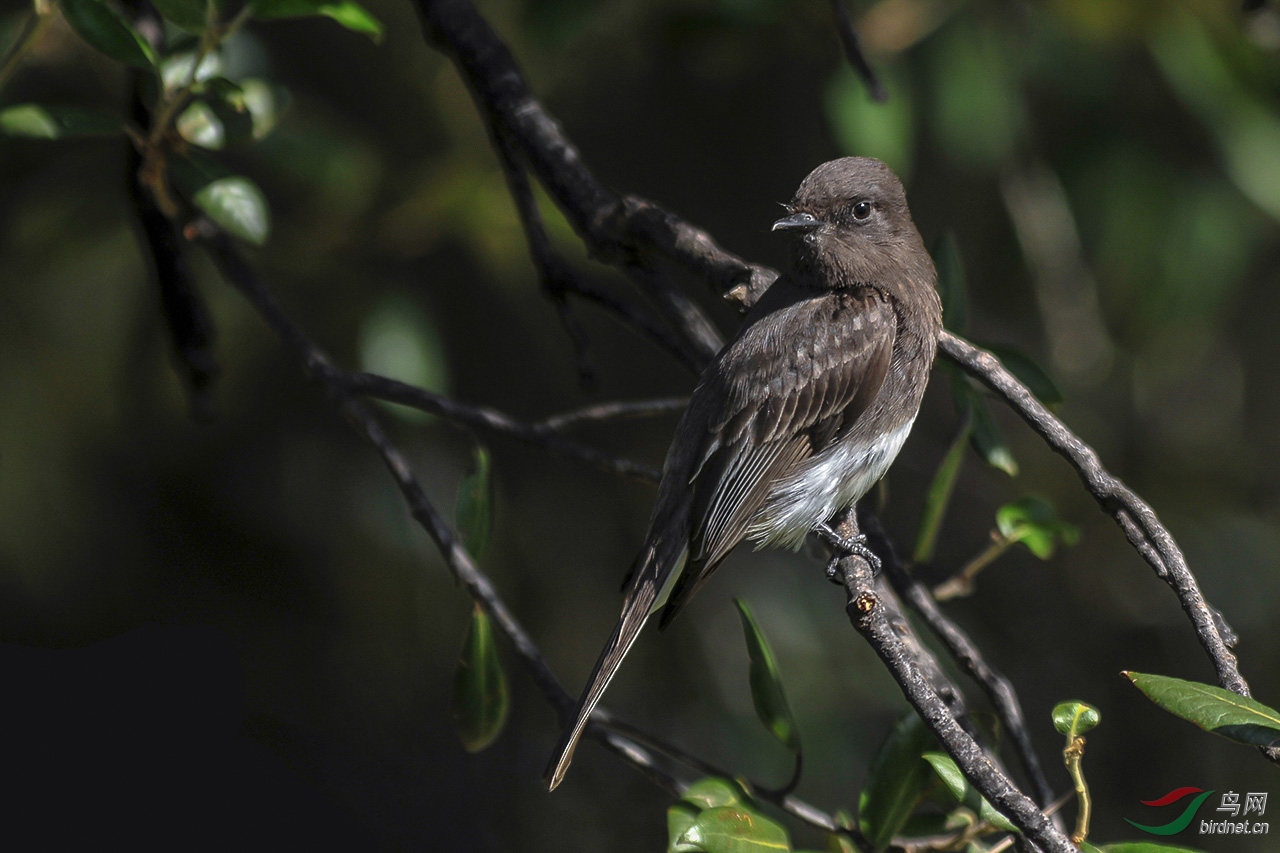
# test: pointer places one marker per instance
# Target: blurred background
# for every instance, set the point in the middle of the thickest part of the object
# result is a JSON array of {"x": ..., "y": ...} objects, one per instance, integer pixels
[{"x": 247, "y": 622}]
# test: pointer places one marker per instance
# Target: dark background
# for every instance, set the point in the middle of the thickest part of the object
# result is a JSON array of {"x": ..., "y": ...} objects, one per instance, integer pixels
[{"x": 251, "y": 632}]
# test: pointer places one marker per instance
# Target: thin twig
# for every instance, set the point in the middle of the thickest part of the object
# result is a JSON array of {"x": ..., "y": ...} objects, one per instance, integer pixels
[
  {"x": 867, "y": 613},
  {"x": 623, "y": 410},
  {"x": 485, "y": 418},
  {"x": 640, "y": 320},
  {"x": 553, "y": 271},
  {"x": 857, "y": 58},
  {"x": 556, "y": 277},
  {"x": 999, "y": 690}
]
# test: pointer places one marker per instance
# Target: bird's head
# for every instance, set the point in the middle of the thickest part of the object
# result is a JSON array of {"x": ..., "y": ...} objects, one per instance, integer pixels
[{"x": 849, "y": 216}]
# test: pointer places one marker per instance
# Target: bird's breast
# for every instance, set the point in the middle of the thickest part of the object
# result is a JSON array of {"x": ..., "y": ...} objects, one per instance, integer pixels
[{"x": 824, "y": 484}]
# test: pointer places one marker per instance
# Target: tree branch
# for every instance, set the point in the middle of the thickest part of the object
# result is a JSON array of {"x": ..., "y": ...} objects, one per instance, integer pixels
[
  {"x": 1136, "y": 518},
  {"x": 998, "y": 689},
  {"x": 602, "y": 412},
  {"x": 869, "y": 615},
  {"x": 484, "y": 418}
]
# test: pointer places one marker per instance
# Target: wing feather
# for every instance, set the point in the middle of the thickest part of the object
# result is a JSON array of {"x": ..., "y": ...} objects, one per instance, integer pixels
[{"x": 779, "y": 401}]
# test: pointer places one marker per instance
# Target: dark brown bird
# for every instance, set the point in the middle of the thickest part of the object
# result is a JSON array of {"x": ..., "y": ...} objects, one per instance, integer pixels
[{"x": 801, "y": 413}]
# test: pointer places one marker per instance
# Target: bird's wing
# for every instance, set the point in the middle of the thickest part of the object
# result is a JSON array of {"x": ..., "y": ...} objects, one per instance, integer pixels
[{"x": 785, "y": 397}]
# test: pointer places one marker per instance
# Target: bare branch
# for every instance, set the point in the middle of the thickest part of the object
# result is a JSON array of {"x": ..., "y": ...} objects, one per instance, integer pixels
[
  {"x": 868, "y": 614},
  {"x": 625, "y": 410},
  {"x": 483, "y": 417},
  {"x": 997, "y": 688},
  {"x": 553, "y": 271},
  {"x": 1135, "y": 517}
]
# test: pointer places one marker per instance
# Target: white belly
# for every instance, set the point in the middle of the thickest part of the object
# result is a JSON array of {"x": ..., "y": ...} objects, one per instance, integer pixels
[{"x": 825, "y": 484}]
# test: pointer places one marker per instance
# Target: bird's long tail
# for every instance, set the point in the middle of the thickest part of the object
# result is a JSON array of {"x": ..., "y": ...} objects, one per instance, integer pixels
[{"x": 651, "y": 585}]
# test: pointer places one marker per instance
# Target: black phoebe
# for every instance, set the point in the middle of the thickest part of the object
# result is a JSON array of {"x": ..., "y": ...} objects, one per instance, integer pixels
[{"x": 801, "y": 413}]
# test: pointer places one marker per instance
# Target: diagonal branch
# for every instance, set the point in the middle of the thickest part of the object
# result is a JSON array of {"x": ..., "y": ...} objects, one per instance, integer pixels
[
  {"x": 999, "y": 689},
  {"x": 557, "y": 278},
  {"x": 1136, "y": 518},
  {"x": 869, "y": 615}
]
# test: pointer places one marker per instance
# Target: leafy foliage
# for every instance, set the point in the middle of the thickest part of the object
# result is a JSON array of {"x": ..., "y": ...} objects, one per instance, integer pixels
[{"x": 1032, "y": 521}]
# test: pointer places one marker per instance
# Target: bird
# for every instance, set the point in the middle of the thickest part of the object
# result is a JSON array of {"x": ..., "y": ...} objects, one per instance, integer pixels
[{"x": 800, "y": 414}]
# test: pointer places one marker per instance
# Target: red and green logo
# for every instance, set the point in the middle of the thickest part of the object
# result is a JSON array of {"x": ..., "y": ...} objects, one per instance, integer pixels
[{"x": 1183, "y": 820}]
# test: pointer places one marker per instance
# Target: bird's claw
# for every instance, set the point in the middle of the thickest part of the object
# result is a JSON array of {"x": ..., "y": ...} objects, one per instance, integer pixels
[{"x": 856, "y": 546}]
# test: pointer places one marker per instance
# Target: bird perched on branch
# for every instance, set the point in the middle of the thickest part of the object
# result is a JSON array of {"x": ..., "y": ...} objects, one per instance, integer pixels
[{"x": 801, "y": 413}]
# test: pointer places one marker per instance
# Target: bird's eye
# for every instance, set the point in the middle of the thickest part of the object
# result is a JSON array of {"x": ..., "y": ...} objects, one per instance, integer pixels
[{"x": 862, "y": 210}]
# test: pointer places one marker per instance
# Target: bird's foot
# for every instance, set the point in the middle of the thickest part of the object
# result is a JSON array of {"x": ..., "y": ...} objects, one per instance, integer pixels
[{"x": 856, "y": 546}]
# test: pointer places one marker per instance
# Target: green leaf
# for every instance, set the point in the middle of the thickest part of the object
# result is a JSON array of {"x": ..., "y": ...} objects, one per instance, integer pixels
[
  {"x": 939, "y": 495},
  {"x": 731, "y": 829},
  {"x": 897, "y": 780},
  {"x": 680, "y": 816},
  {"x": 37, "y": 121},
  {"x": 766, "y": 684},
  {"x": 951, "y": 282},
  {"x": 966, "y": 793},
  {"x": 1145, "y": 847},
  {"x": 191, "y": 15},
  {"x": 473, "y": 511},
  {"x": 1213, "y": 709},
  {"x": 986, "y": 436},
  {"x": 106, "y": 30},
  {"x": 351, "y": 15},
  {"x": 237, "y": 206},
  {"x": 200, "y": 125},
  {"x": 713, "y": 792},
  {"x": 1032, "y": 521},
  {"x": 1028, "y": 373},
  {"x": 1075, "y": 718},
  {"x": 1086, "y": 847},
  {"x": 480, "y": 701}
]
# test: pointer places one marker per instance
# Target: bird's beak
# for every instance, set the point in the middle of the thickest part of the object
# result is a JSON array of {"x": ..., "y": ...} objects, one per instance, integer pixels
[{"x": 797, "y": 222}]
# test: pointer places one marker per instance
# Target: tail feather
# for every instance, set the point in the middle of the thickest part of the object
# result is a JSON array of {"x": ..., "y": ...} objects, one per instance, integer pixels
[{"x": 651, "y": 585}]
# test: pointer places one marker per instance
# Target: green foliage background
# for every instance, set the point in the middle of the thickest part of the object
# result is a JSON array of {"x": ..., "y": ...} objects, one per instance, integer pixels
[{"x": 1141, "y": 137}]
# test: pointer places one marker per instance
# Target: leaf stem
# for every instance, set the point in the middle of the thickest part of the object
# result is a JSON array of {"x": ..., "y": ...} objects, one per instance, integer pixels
[
  {"x": 961, "y": 584},
  {"x": 1071, "y": 757}
]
